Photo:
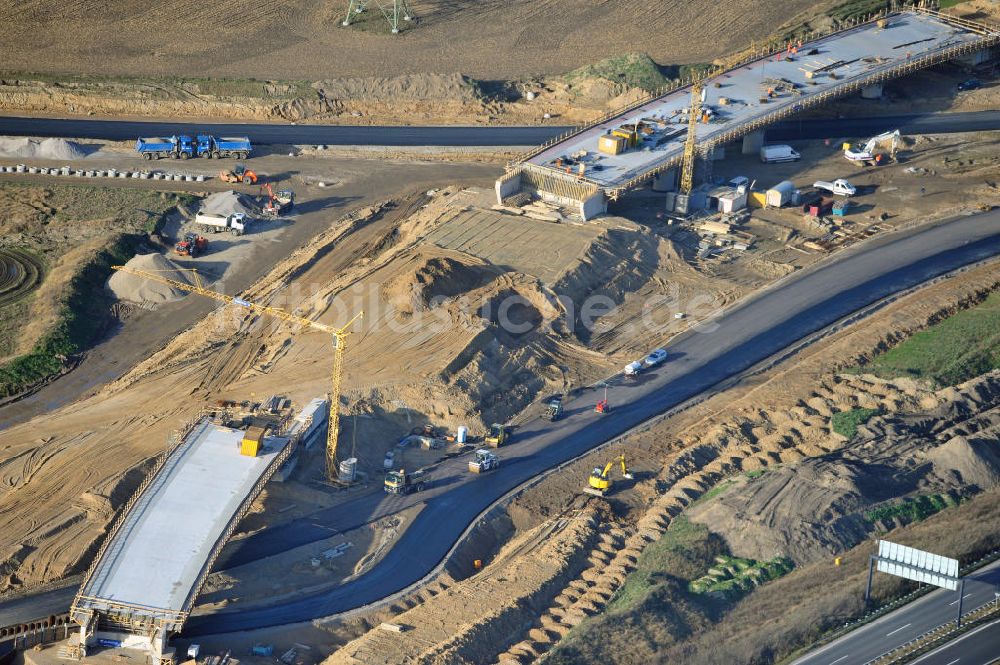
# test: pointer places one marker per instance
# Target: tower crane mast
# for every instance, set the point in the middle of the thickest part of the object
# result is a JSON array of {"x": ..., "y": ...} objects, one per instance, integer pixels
[
  {"x": 339, "y": 336},
  {"x": 691, "y": 142}
]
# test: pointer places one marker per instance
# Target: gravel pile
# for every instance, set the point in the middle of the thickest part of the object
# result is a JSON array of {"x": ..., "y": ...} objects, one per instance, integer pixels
[
  {"x": 45, "y": 149},
  {"x": 226, "y": 203},
  {"x": 133, "y": 288}
]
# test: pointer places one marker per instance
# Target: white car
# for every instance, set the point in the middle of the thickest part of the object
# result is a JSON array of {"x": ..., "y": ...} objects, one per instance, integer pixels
[
  {"x": 655, "y": 358},
  {"x": 633, "y": 368}
]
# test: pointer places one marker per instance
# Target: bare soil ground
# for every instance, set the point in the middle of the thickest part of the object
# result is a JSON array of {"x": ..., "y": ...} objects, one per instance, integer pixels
[
  {"x": 491, "y": 39},
  {"x": 448, "y": 260},
  {"x": 769, "y": 421}
]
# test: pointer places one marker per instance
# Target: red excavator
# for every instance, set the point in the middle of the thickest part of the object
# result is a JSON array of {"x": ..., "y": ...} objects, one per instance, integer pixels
[
  {"x": 277, "y": 203},
  {"x": 192, "y": 245}
]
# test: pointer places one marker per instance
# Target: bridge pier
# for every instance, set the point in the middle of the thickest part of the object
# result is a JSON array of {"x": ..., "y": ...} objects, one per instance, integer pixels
[
  {"x": 873, "y": 91},
  {"x": 666, "y": 181},
  {"x": 753, "y": 142}
]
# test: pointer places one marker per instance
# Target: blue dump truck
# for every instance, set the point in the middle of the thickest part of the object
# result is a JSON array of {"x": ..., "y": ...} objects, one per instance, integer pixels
[
  {"x": 184, "y": 147},
  {"x": 178, "y": 147},
  {"x": 233, "y": 146}
]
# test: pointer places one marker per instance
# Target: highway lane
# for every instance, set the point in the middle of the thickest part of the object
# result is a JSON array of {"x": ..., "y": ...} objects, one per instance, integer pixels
[
  {"x": 748, "y": 333},
  {"x": 908, "y": 622},
  {"x": 744, "y": 335},
  {"x": 977, "y": 647},
  {"x": 264, "y": 133}
]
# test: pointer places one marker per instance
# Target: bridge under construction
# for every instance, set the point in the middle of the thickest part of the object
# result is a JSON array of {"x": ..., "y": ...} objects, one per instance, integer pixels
[
  {"x": 145, "y": 578},
  {"x": 586, "y": 167}
]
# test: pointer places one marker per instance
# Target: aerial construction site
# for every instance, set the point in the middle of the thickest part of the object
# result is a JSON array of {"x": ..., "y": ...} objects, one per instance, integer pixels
[{"x": 500, "y": 332}]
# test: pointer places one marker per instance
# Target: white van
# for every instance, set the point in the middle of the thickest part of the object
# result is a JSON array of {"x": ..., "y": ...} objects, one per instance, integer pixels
[{"x": 772, "y": 154}]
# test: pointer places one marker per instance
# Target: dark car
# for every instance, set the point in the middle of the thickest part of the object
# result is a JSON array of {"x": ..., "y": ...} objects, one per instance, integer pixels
[{"x": 971, "y": 84}]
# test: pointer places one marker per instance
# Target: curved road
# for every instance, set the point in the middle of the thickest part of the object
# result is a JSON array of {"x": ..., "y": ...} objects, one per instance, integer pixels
[
  {"x": 741, "y": 337},
  {"x": 750, "y": 332},
  {"x": 122, "y": 130}
]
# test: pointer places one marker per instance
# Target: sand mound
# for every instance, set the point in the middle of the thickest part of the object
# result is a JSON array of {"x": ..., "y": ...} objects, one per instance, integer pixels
[
  {"x": 46, "y": 149},
  {"x": 411, "y": 87},
  {"x": 226, "y": 203},
  {"x": 133, "y": 288},
  {"x": 970, "y": 461},
  {"x": 430, "y": 277}
]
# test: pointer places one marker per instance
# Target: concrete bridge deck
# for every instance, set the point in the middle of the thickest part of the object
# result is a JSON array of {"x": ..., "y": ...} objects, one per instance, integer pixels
[
  {"x": 147, "y": 576},
  {"x": 820, "y": 70}
]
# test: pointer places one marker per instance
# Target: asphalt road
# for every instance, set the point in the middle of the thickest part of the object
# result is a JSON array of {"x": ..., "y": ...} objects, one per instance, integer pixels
[
  {"x": 978, "y": 647},
  {"x": 121, "y": 130},
  {"x": 914, "y": 619},
  {"x": 741, "y": 337}
]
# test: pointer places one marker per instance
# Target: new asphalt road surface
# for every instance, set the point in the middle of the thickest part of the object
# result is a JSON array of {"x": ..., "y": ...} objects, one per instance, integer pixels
[
  {"x": 722, "y": 347},
  {"x": 699, "y": 359},
  {"x": 124, "y": 130}
]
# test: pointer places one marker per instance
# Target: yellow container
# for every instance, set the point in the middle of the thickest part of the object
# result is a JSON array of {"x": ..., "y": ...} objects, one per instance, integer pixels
[
  {"x": 252, "y": 441},
  {"x": 757, "y": 199},
  {"x": 611, "y": 145}
]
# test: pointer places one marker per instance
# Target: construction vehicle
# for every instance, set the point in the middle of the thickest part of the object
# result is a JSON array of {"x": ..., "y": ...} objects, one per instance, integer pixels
[
  {"x": 839, "y": 187},
  {"x": 277, "y": 203},
  {"x": 553, "y": 410},
  {"x": 869, "y": 154},
  {"x": 211, "y": 147},
  {"x": 401, "y": 482},
  {"x": 483, "y": 461},
  {"x": 236, "y": 223},
  {"x": 178, "y": 147},
  {"x": 600, "y": 478},
  {"x": 240, "y": 173},
  {"x": 497, "y": 435},
  {"x": 192, "y": 245},
  {"x": 338, "y": 335}
]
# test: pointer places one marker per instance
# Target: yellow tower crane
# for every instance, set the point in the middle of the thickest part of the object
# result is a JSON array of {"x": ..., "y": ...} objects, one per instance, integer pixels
[
  {"x": 339, "y": 337},
  {"x": 691, "y": 142}
]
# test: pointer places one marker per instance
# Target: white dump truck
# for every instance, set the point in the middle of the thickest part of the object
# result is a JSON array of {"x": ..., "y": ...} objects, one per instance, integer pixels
[{"x": 236, "y": 223}]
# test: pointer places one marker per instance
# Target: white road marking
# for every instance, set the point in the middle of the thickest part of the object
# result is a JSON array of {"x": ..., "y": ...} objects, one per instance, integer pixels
[
  {"x": 843, "y": 657},
  {"x": 897, "y": 630},
  {"x": 954, "y": 661},
  {"x": 955, "y": 601}
]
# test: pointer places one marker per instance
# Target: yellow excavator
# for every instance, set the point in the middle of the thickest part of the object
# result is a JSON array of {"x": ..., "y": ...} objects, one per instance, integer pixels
[{"x": 600, "y": 479}]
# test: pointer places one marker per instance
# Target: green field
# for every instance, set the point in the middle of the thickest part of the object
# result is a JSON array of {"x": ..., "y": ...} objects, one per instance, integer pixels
[
  {"x": 954, "y": 350},
  {"x": 913, "y": 510},
  {"x": 48, "y": 223}
]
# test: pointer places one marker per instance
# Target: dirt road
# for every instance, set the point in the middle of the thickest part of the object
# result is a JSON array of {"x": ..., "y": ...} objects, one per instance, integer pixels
[{"x": 358, "y": 183}]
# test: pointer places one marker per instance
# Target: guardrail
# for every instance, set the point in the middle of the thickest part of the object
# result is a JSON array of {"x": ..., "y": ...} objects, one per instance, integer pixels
[
  {"x": 887, "y": 608},
  {"x": 939, "y": 636},
  {"x": 231, "y": 527}
]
